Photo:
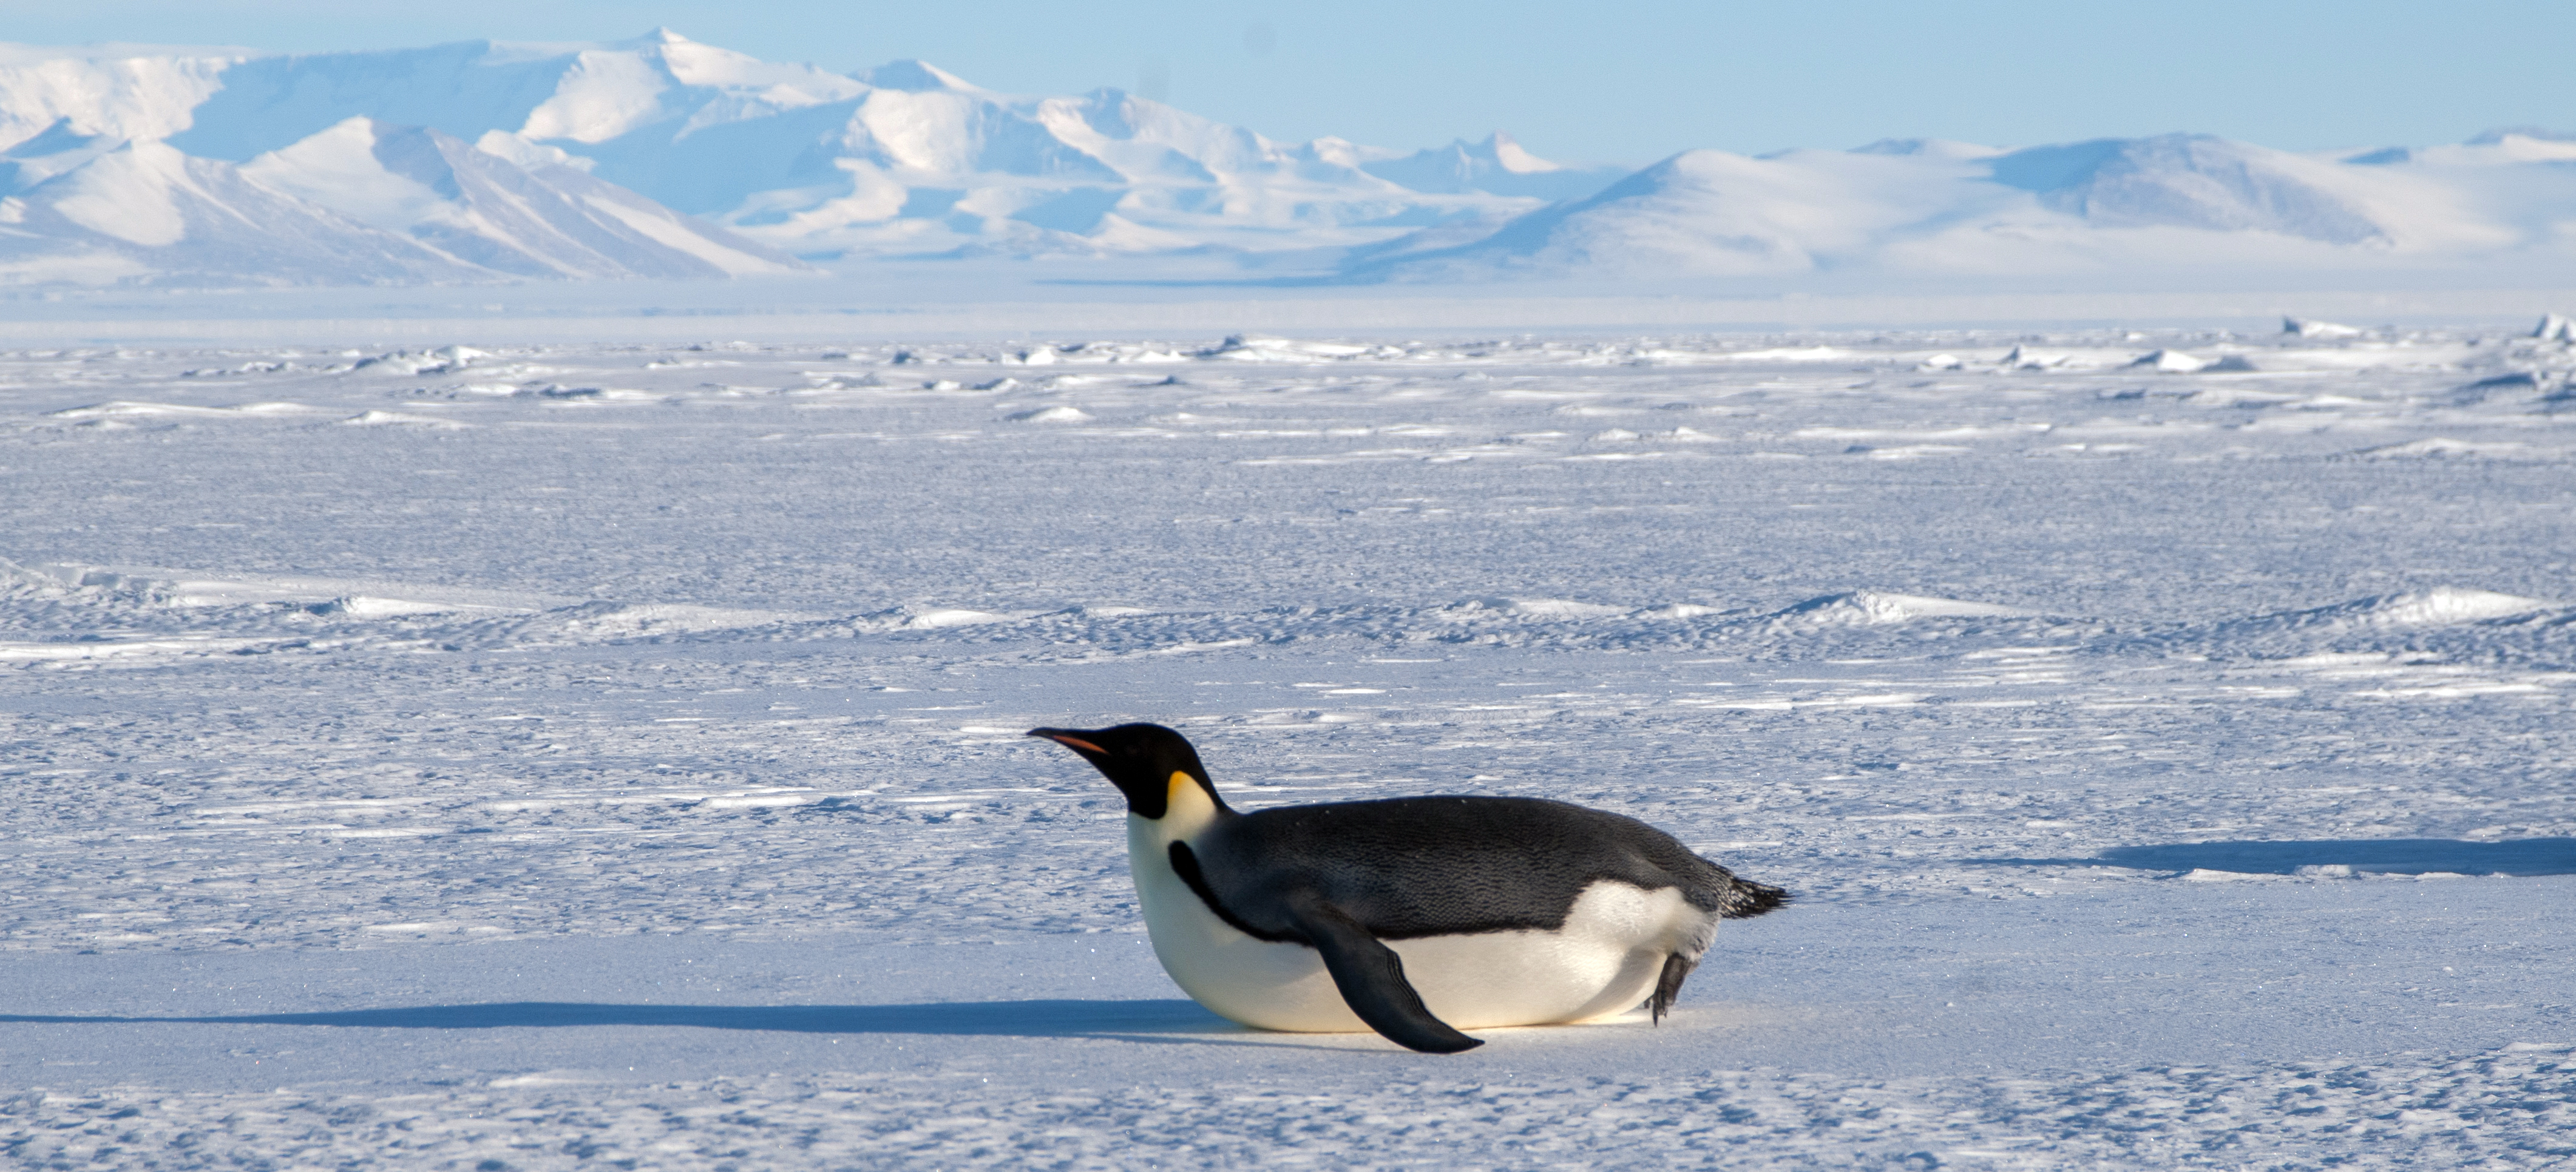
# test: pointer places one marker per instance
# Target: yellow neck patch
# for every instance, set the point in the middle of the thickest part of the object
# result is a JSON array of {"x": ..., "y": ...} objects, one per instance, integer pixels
[{"x": 1187, "y": 808}]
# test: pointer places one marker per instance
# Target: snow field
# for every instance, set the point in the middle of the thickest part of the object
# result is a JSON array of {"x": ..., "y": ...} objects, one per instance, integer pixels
[
  {"x": 2502, "y": 1110},
  {"x": 720, "y": 654},
  {"x": 1858, "y": 1035}
]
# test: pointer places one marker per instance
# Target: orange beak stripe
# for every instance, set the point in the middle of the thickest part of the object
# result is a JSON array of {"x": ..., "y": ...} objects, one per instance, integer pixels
[{"x": 1079, "y": 743}]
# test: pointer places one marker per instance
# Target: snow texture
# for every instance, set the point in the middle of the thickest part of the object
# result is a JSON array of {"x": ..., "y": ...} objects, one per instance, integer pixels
[{"x": 557, "y": 756}]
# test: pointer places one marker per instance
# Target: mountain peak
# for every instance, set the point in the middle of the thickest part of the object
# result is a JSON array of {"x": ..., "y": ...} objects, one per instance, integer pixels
[
  {"x": 908, "y": 159},
  {"x": 916, "y": 76},
  {"x": 1930, "y": 148},
  {"x": 2191, "y": 181},
  {"x": 1507, "y": 153},
  {"x": 1498, "y": 165},
  {"x": 62, "y": 135},
  {"x": 2497, "y": 136}
]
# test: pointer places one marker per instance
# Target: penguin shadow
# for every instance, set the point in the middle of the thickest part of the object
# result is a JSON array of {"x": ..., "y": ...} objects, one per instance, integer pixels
[
  {"x": 1157, "y": 1022},
  {"x": 2367, "y": 856}
]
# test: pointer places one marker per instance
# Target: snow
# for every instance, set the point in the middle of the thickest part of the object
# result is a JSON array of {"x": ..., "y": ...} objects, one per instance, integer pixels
[
  {"x": 2444, "y": 447},
  {"x": 2171, "y": 203},
  {"x": 722, "y": 251},
  {"x": 2193, "y": 181},
  {"x": 858, "y": 1053},
  {"x": 129, "y": 196},
  {"x": 1873, "y": 607},
  {"x": 121, "y": 92},
  {"x": 2171, "y": 362},
  {"x": 485, "y": 214},
  {"x": 1055, "y": 414},
  {"x": 427, "y": 755},
  {"x": 1499, "y": 165},
  {"x": 906, "y": 161},
  {"x": 2312, "y": 328},
  {"x": 191, "y": 221},
  {"x": 2435, "y": 607}
]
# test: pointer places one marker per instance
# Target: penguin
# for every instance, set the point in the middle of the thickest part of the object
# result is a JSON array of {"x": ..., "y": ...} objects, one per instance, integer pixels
[{"x": 1414, "y": 917}]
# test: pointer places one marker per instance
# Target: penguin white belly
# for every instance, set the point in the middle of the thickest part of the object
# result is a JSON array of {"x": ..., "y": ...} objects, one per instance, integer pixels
[
  {"x": 1256, "y": 982},
  {"x": 1605, "y": 959}
]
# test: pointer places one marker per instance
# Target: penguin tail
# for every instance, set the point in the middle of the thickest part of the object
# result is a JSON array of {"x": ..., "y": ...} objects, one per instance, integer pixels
[{"x": 1745, "y": 899}]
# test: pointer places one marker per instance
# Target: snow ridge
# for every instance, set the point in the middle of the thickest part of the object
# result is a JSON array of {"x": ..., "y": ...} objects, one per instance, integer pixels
[{"x": 164, "y": 613}]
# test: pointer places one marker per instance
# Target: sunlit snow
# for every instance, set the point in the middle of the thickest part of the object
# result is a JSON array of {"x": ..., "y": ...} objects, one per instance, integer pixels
[
  {"x": 480, "y": 753},
  {"x": 482, "y": 162}
]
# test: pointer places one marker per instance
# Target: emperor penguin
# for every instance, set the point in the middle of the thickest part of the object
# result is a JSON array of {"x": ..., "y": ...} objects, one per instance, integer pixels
[{"x": 1413, "y": 917}]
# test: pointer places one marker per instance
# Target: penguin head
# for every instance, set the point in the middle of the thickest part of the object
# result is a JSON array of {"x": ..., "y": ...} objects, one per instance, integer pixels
[{"x": 1140, "y": 759}]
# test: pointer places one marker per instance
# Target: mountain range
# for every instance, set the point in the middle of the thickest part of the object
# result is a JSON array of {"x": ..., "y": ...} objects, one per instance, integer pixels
[{"x": 661, "y": 157}]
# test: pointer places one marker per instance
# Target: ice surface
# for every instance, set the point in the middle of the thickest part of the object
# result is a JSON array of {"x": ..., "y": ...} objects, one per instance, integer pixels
[
  {"x": 2170, "y": 766},
  {"x": 2284, "y": 1023}
]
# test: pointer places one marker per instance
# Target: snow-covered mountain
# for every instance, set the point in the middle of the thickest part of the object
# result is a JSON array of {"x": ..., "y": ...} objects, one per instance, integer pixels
[
  {"x": 85, "y": 210},
  {"x": 662, "y": 157},
  {"x": 2170, "y": 202},
  {"x": 590, "y": 160},
  {"x": 1497, "y": 165},
  {"x": 357, "y": 203},
  {"x": 541, "y": 219}
]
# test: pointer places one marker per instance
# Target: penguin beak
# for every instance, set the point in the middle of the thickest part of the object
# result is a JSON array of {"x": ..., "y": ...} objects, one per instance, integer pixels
[{"x": 1068, "y": 740}]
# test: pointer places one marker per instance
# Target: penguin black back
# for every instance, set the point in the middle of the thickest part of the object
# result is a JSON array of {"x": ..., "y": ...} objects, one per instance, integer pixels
[{"x": 1438, "y": 866}]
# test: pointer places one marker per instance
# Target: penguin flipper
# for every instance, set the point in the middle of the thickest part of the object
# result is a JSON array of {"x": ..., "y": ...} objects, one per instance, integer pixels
[{"x": 1371, "y": 978}]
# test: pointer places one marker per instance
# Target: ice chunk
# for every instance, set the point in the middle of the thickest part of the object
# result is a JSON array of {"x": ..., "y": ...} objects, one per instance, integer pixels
[
  {"x": 382, "y": 418},
  {"x": 2171, "y": 362},
  {"x": 1874, "y": 608},
  {"x": 931, "y": 620},
  {"x": 1559, "y": 608},
  {"x": 2312, "y": 328},
  {"x": 2520, "y": 382},
  {"x": 2440, "y": 448}
]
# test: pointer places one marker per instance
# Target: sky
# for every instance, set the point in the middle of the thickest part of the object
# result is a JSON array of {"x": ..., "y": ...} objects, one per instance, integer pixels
[{"x": 1609, "y": 81}]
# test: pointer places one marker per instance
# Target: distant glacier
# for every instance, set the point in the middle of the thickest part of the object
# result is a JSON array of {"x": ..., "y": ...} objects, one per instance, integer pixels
[{"x": 663, "y": 158}]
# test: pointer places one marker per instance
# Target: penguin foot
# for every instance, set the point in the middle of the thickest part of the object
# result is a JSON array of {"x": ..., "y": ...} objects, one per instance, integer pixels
[{"x": 1676, "y": 968}]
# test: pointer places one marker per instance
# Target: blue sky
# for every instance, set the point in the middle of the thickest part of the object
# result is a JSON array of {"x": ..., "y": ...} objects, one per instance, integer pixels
[{"x": 1608, "y": 81}]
